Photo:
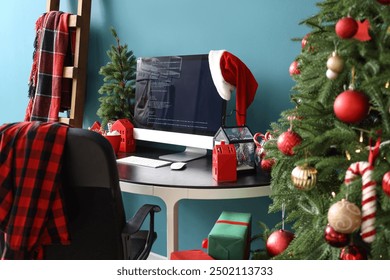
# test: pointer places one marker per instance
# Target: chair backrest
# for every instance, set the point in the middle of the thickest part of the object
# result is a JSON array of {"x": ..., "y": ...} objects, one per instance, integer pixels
[{"x": 93, "y": 200}]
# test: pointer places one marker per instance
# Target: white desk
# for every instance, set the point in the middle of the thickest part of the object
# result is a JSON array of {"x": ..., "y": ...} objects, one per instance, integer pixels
[{"x": 195, "y": 182}]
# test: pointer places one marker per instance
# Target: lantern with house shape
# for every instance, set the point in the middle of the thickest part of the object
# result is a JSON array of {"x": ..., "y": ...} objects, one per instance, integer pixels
[
  {"x": 242, "y": 139},
  {"x": 126, "y": 129}
]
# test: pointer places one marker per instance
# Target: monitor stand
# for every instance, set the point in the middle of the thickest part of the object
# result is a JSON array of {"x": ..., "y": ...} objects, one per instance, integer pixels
[{"x": 188, "y": 154}]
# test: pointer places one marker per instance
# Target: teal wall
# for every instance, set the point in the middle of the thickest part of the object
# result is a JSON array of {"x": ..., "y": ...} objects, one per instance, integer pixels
[{"x": 257, "y": 31}]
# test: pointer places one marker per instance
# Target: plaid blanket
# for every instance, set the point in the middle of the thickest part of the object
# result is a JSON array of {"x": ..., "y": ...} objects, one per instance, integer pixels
[
  {"x": 49, "y": 92},
  {"x": 31, "y": 206}
]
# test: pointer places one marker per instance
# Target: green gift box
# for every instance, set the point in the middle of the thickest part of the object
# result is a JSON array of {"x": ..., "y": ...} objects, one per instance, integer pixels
[{"x": 229, "y": 238}]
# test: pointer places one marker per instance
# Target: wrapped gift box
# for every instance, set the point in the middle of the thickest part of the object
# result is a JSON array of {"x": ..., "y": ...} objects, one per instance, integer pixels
[
  {"x": 229, "y": 239},
  {"x": 190, "y": 255}
]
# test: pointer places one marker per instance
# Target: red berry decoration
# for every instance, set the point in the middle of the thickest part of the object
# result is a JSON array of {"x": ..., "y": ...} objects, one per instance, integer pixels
[
  {"x": 351, "y": 106},
  {"x": 335, "y": 238},
  {"x": 384, "y": 2},
  {"x": 287, "y": 141},
  {"x": 353, "y": 252},
  {"x": 278, "y": 241},
  {"x": 346, "y": 28},
  {"x": 293, "y": 69},
  {"x": 386, "y": 183}
]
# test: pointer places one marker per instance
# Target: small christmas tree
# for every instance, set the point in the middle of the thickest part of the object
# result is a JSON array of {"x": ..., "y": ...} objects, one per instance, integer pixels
[
  {"x": 332, "y": 150},
  {"x": 118, "y": 89}
]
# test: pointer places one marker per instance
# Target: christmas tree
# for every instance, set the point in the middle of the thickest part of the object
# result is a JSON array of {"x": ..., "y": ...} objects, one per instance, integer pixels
[
  {"x": 119, "y": 79},
  {"x": 331, "y": 151}
]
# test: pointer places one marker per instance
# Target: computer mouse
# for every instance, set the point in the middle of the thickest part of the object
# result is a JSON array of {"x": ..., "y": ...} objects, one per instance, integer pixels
[{"x": 178, "y": 165}]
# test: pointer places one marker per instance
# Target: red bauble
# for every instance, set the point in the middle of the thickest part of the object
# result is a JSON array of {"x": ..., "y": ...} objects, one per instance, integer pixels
[
  {"x": 351, "y": 106},
  {"x": 353, "y": 252},
  {"x": 293, "y": 69},
  {"x": 386, "y": 183},
  {"x": 287, "y": 141},
  {"x": 266, "y": 164},
  {"x": 304, "y": 40},
  {"x": 278, "y": 241},
  {"x": 384, "y": 2},
  {"x": 334, "y": 238},
  {"x": 346, "y": 28}
]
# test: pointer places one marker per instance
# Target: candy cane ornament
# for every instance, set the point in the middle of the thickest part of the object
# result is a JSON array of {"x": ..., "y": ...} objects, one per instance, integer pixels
[{"x": 365, "y": 169}]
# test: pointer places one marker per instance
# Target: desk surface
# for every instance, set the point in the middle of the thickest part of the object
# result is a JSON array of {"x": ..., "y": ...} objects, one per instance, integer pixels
[
  {"x": 194, "y": 182},
  {"x": 197, "y": 174}
]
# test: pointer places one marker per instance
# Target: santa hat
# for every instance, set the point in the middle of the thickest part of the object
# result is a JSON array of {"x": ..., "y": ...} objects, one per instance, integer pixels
[{"x": 228, "y": 73}]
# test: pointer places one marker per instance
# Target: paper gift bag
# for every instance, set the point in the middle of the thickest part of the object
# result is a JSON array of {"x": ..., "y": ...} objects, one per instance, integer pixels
[{"x": 229, "y": 238}]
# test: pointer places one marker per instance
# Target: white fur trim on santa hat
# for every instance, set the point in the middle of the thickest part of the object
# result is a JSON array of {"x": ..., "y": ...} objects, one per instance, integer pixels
[{"x": 224, "y": 88}]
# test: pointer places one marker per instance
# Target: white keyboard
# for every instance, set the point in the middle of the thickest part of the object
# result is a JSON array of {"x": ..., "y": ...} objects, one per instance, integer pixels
[{"x": 144, "y": 161}]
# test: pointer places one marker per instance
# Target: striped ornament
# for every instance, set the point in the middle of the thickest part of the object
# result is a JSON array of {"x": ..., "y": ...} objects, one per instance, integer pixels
[{"x": 365, "y": 169}]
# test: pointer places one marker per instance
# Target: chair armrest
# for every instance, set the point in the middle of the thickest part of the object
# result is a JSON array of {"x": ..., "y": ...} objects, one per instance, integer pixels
[
  {"x": 132, "y": 230},
  {"x": 134, "y": 224}
]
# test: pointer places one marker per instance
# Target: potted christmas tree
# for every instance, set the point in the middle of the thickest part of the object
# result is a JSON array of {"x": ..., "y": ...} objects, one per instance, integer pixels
[
  {"x": 331, "y": 175},
  {"x": 117, "y": 92}
]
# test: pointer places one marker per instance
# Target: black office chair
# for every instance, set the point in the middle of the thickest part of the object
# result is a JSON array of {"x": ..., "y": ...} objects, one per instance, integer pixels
[{"x": 94, "y": 206}]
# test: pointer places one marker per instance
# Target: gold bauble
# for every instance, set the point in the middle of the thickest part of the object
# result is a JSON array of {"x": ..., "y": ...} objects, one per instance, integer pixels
[
  {"x": 304, "y": 177},
  {"x": 335, "y": 63}
]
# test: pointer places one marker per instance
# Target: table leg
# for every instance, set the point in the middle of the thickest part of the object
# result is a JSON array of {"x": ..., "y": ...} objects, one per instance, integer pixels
[
  {"x": 171, "y": 197},
  {"x": 172, "y": 227}
]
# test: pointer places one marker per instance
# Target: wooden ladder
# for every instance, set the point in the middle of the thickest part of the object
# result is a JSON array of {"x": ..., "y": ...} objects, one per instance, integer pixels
[{"x": 77, "y": 72}]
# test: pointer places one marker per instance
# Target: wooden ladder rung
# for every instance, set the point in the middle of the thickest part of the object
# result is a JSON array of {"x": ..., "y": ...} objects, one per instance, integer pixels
[
  {"x": 74, "y": 21},
  {"x": 64, "y": 120},
  {"x": 77, "y": 72},
  {"x": 70, "y": 72}
]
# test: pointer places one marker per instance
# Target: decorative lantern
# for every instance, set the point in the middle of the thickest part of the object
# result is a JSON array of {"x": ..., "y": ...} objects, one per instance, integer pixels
[{"x": 242, "y": 139}]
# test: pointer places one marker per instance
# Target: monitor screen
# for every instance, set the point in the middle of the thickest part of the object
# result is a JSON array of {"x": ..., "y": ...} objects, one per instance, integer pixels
[{"x": 177, "y": 94}]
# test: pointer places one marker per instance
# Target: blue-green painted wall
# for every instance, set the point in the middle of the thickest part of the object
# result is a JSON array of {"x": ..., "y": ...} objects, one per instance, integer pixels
[{"x": 257, "y": 31}]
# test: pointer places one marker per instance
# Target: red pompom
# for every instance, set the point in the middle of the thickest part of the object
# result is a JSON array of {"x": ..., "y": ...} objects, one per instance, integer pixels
[
  {"x": 335, "y": 238},
  {"x": 278, "y": 241},
  {"x": 386, "y": 183},
  {"x": 353, "y": 252},
  {"x": 351, "y": 106},
  {"x": 346, "y": 28},
  {"x": 384, "y": 2},
  {"x": 293, "y": 69},
  {"x": 287, "y": 141}
]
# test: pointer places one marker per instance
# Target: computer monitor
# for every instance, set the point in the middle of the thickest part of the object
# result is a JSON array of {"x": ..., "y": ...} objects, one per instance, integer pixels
[{"x": 177, "y": 103}]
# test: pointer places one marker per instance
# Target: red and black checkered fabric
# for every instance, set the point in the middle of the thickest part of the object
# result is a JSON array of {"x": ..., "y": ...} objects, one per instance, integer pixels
[
  {"x": 31, "y": 204},
  {"x": 49, "y": 92}
]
